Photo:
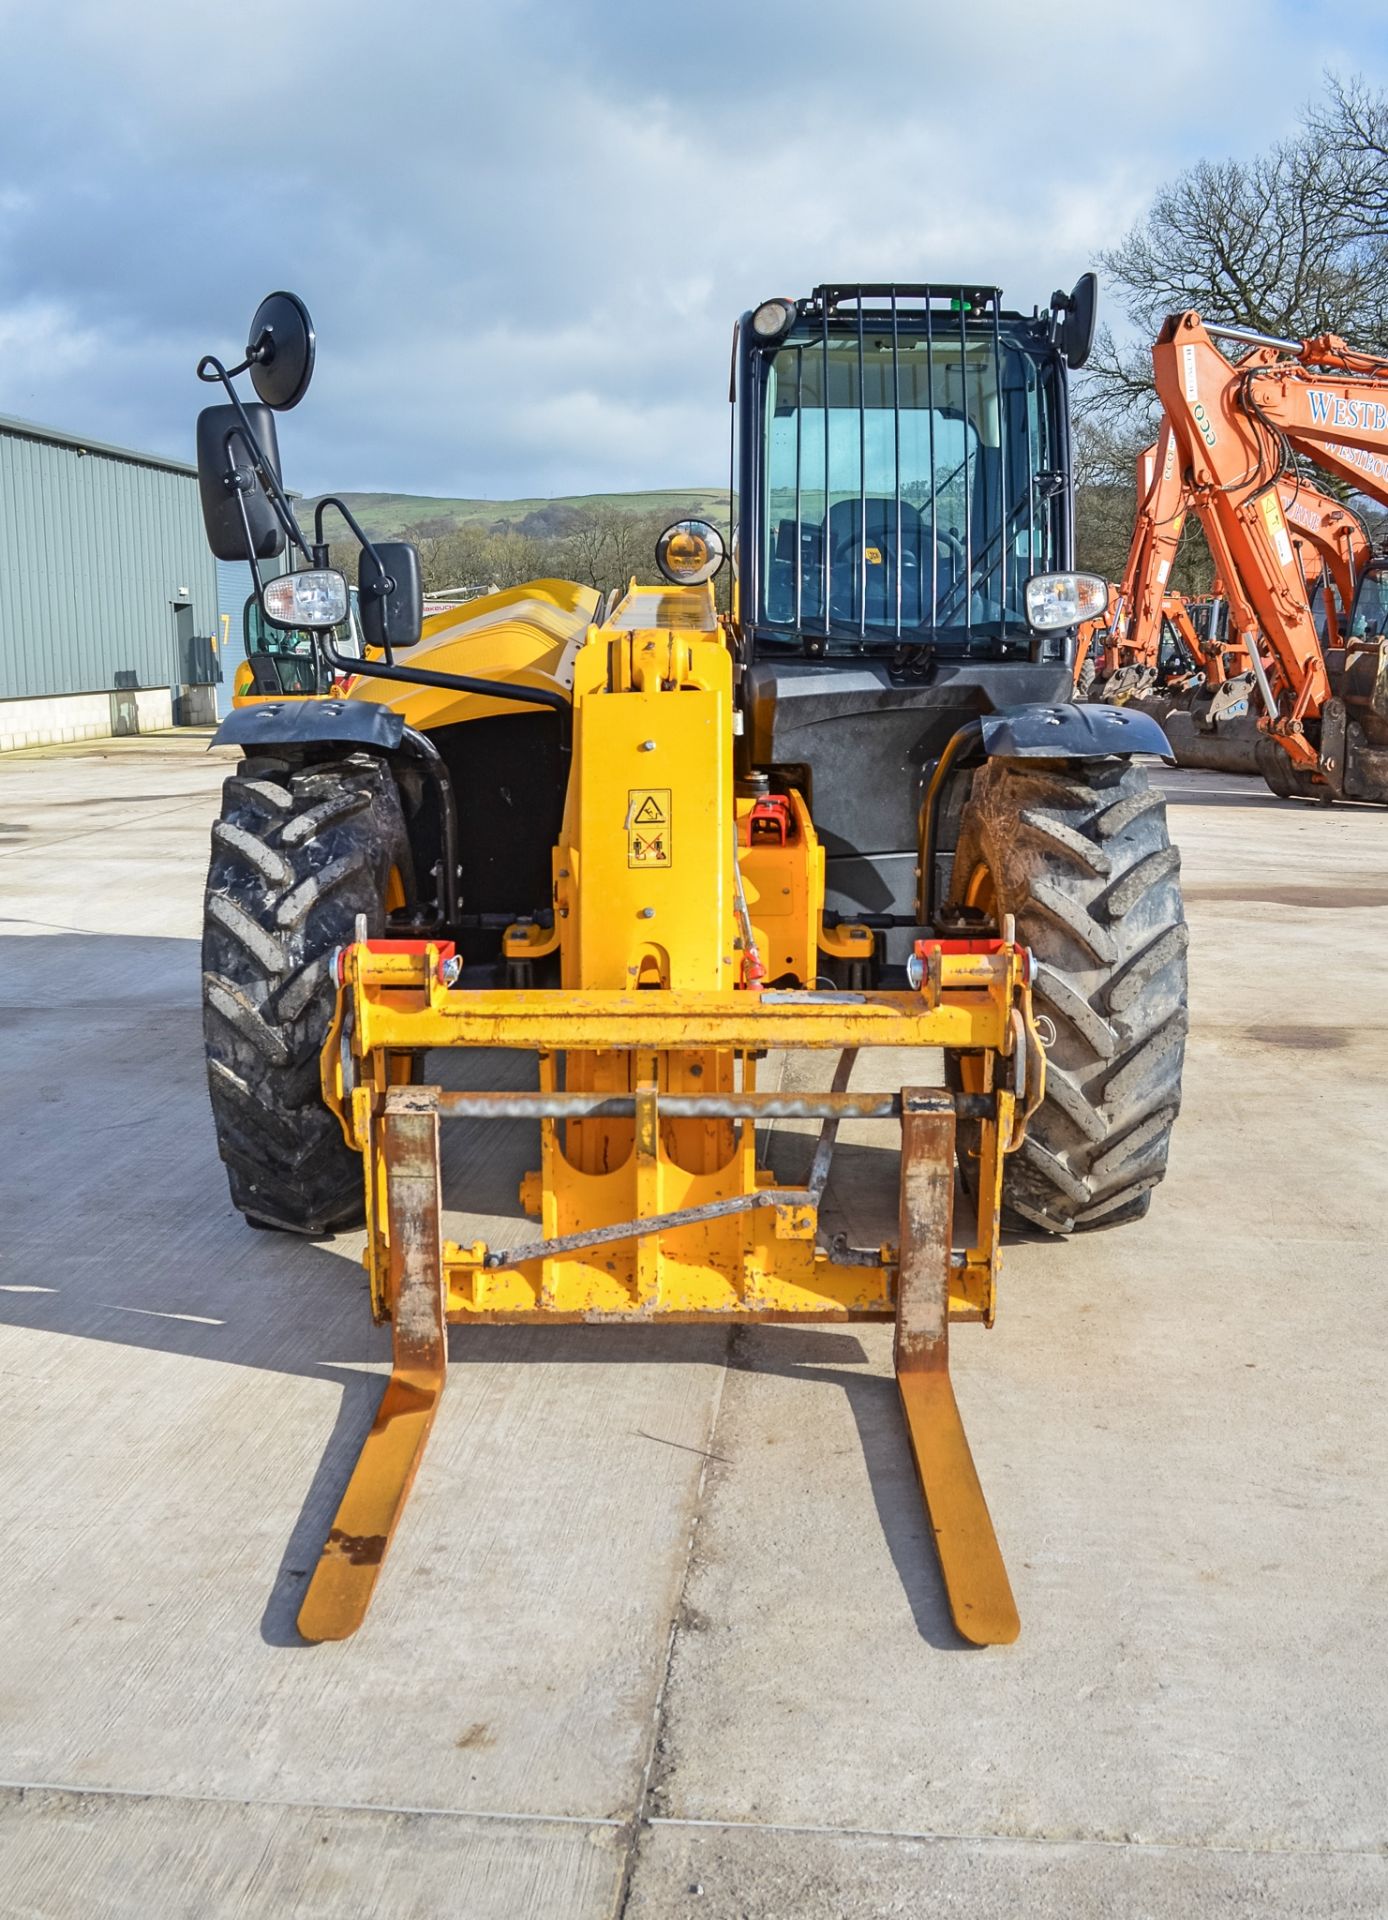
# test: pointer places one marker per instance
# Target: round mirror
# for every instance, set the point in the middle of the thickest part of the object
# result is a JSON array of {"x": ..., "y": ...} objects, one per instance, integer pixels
[
  {"x": 280, "y": 350},
  {"x": 690, "y": 552}
]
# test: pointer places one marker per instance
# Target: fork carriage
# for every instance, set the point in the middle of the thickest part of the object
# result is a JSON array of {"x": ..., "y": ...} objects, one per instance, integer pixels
[{"x": 652, "y": 1206}]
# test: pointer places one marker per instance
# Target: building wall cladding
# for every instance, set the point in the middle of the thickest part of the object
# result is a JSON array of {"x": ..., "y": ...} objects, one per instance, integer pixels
[{"x": 95, "y": 547}]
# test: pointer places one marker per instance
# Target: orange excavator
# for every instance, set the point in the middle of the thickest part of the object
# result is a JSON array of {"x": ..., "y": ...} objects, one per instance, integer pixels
[
  {"x": 1240, "y": 430},
  {"x": 1168, "y": 655},
  {"x": 1127, "y": 653},
  {"x": 1182, "y": 659}
]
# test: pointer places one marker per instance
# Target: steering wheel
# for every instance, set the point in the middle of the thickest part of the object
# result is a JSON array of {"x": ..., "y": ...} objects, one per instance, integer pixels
[{"x": 848, "y": 547}]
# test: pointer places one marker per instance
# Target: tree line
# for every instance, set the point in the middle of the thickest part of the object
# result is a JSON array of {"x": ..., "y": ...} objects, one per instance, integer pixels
[
  {"x": 602, "y": 546},
  {"x": 1293, "y": 242}
]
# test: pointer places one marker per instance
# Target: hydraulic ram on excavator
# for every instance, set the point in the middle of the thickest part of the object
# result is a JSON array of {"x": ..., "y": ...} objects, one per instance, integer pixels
[{"x": 650, "y": 1202}]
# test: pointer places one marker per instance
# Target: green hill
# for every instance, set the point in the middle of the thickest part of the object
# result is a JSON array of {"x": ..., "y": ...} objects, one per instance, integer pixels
[{"x": 393, "y": 515}]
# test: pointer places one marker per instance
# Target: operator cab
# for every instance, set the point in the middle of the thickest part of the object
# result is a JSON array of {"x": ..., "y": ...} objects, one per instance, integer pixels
[
  {"x": 1369, "y": 621},
  {"x": 904, "y": 457},
  {"x": 904, "y": 539}
]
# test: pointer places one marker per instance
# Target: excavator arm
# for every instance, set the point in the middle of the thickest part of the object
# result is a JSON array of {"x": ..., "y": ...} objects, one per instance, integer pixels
[
  {"x": 1239, "y": 428},
  {"x": 1135, "y": 619}
]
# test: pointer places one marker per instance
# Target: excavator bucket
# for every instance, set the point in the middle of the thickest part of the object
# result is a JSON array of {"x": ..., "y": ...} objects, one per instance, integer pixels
[
  {"x": 652, "y": 1205},
  {"x": 1217, "y": 734}
]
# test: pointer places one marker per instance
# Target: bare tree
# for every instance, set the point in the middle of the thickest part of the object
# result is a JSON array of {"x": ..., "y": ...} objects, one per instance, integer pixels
[
  {"x": 1352, "y": 123},
  {"x": 1293, "y": 242}
]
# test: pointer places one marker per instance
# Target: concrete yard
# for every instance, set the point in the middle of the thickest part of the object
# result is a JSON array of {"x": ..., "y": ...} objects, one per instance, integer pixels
[{"x": 662, "y": 1634}]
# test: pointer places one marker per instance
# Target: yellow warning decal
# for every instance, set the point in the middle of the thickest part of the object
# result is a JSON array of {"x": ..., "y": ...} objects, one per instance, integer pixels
[
  {"x": 648, "y": 827},
  {"x": 1277, "y": 527},
  {"x": 873, "y": 556}
]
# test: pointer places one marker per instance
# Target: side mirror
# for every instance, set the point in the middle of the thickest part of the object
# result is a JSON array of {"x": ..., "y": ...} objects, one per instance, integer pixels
[
  {"x": 390, "y": 602},
  {"x": 227, "y": 480},
  {"x": 280, "y": 350},
  {"x": 1077, "y": 315}
]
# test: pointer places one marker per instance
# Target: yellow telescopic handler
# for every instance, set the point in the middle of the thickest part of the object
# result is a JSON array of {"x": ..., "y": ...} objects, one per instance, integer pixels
[{"x": 649, "y": 844}]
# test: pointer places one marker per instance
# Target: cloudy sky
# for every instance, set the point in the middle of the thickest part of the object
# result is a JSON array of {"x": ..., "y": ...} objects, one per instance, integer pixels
[{"x": 525, "y": 227}]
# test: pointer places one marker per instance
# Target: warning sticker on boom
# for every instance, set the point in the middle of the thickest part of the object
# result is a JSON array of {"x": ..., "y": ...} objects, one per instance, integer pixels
[
  {"x": 1277, "y": 527},
  {"x": 648, "y": 827}
]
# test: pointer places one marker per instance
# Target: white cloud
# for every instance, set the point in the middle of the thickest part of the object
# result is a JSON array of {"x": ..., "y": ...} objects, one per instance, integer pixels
[{"x": 525, "y": 230}]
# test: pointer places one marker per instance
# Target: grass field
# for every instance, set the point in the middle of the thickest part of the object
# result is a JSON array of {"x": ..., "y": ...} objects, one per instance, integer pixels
[{"x": 389, "y": 515}]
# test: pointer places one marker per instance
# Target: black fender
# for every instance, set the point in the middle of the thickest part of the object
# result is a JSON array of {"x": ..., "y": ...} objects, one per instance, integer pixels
[
  {"x": 361, "y": 725},
  {"x": 1069, "y": 731},
  {"x": 304, "y": 722}
]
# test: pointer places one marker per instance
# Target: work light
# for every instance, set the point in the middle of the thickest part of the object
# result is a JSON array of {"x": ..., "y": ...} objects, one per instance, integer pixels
[
  {"x": 1064, "y": 599},
  {"x": 773, "y": 318},
  {"x": 316, "y": 598}
]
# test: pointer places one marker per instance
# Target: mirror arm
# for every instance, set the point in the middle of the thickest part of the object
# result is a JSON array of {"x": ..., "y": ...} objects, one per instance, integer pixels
[
  {"x": 250, "y": 544},
  {"x": 363, "y": 541},
  {"x": 278, "y": 499},
  {"x": 284, "y": 513},
  {"x": 460, "y": 683}
]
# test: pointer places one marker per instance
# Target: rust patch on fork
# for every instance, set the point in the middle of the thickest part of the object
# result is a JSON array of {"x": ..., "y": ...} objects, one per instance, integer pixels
[{"x": 358, "y": 1549}]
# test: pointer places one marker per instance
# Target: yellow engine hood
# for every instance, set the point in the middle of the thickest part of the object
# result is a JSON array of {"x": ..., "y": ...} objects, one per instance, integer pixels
[{"x": 528, "y": 634}]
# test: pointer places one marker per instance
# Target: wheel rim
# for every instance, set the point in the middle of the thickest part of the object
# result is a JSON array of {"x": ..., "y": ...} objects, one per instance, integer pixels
[{"x": 982, "y": 893}]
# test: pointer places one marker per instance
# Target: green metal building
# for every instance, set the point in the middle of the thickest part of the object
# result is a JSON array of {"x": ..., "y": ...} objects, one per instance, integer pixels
[{"x": 108, "y": 594}]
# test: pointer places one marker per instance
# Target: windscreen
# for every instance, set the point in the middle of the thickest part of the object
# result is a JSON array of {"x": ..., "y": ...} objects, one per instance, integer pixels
[
  {"x": 901, "y": 496},
  {"x": 1371, "y": 607}
]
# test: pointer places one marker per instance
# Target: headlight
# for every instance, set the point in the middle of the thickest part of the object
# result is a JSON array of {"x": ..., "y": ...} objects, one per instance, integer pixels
[
  {"x": 690, "y": 552},
  {"x": 316, "y": 598},
  {"x": 773, "y": 318},
  {"x": 1064, "y": 599}
]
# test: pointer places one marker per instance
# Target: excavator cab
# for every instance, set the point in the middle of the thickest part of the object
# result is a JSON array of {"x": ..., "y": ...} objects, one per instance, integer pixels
[{"x": 1369, "y": 620}]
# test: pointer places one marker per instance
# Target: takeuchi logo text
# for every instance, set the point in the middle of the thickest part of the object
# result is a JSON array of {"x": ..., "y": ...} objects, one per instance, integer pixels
[{"x": 1334, "y": 410}]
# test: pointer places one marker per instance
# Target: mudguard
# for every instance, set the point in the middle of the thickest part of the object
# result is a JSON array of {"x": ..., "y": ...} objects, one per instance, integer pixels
[
  {"x": 301, "y": 722},
  {"x": 1070, "y": 732}
]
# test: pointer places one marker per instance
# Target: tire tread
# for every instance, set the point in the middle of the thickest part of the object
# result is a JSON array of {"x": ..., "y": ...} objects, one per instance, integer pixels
[{"x": 1079, "y": 854}]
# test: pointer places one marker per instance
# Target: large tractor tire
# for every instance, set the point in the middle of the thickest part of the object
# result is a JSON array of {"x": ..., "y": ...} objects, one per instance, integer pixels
[
  {"x": 1078, "y": 853},
  {"x": 300, "y": 851},
  {"x": 1085, "y": 678}
]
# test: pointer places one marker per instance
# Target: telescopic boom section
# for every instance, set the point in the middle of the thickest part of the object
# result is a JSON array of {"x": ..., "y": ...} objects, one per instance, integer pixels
[{"x": 1237, "y": 428}]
